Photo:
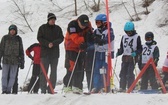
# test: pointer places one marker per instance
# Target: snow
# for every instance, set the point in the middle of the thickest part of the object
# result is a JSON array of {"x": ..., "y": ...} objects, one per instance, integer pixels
[{"x": 38, "y": 10}]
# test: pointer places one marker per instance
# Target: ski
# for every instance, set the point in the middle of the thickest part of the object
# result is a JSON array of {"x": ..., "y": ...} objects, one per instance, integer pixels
[{"x": 87, "y": 93}]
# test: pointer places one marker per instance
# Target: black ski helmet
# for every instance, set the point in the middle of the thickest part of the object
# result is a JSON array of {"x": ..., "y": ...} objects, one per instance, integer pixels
[{"x": 149, "y": 35}]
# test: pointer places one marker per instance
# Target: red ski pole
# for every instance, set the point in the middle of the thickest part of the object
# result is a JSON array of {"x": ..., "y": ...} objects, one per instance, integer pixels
[
  {"x": 109, "y": 71},
  {"x": 48, "y": 80}
]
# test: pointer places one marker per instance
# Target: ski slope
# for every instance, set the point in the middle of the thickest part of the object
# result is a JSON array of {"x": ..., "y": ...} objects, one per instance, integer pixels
[{"x": 118, "y": 16}]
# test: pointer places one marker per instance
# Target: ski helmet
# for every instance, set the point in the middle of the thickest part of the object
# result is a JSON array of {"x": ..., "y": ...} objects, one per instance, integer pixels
[
  {"x": 149, "y": 35},
  {"x": 129, "y": 26},
  {"x": 101, "y": 17}
]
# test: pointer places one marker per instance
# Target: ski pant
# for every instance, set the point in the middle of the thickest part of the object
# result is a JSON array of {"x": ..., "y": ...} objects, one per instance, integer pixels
[
  {"x": 88, "y": 66},
  {"x": 15, "y": 85},
  {"x": 52, "y": 62},
  {"x": 165, "y": 78},
  {"x": 126, "y": 75},
  {"x": 149, "y": 75},
  {"x": 35, "y": 75},
  {"x": 11, "y": 71},
  {"x": 97, "y": 77},
  {"x": 78, "y": 74}
]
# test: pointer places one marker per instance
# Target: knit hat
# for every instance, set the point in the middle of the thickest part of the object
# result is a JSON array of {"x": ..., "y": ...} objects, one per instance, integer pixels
[
  {"x": 51, "y": 16},
  {"x": 84, "y": 20},
  {"x": 14, "y": 27}
]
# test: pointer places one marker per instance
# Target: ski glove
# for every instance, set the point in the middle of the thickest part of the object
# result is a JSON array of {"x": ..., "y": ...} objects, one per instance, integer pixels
[
  {"x": 133, "y": 54},
  {"x": 21, "y": 65},
  {"x": 117, "y": 54},
  {"x": 30, "y": 56},
  {"x": 99, "y": 41},
  {"x": 83, "y": 46}
]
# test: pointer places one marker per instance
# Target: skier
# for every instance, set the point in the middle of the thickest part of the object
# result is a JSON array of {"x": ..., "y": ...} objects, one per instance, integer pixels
[
  {"x": 36, "y": 66},
  {"x": 75, "y": 44},
  {"x": 150, "y": 50},
  {"x": 11, "y": 50},
  {"x": 165, "y": 71},
  {"x": 101, "y": 47},
  {"x": 130, "y": 47}
]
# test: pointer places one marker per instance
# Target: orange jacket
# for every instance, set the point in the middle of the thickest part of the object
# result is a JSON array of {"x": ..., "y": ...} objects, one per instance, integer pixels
[{"x": 75, "y": 36}]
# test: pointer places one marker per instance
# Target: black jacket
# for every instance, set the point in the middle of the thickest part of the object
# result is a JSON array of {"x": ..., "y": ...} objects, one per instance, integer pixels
[{"x": 50, "y": 34}]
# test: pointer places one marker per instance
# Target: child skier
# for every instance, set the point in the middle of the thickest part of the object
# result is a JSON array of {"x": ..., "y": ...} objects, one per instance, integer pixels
[
  {"x": 36, "y": 66},
  {"x": 101, "y": 46},
  {"x": 130, "y": 47},
  {"x": 150, "y": 50}
]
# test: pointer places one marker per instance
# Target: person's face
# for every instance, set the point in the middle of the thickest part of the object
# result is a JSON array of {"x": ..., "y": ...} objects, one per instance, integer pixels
[
  {"x": 80, "y": 25},
  {"x": 51, "y": 21},
  {"x": 129, "y": 33},
  {"x": 98, "y": 23},
  {"x": 12, "y": 32}
]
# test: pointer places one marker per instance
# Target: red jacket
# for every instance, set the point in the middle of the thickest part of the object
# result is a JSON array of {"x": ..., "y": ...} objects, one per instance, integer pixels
[{"x": 36, "y": 49}]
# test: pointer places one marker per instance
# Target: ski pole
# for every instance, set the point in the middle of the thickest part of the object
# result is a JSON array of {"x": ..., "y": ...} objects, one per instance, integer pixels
[
  {"x": 91, "y": 78},
  {"x": 27, "y": 75},
  {"x": 46, "y": 76},
  {"x": 135, "y": 68},
  {"x": 114, "y": 73},
  {"x": 28, "y": 71},
  {"x": 33, "y": 85},
  {"x": 73, "y": 69}
]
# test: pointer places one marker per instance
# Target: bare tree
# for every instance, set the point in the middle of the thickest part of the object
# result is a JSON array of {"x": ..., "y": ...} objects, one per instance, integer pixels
[
  {"x": 87, "y": 7},
  {"x": 56, "y": 4},
  {"x": 96, "y": 6},
  {"x": 146, "y": 3},
  {"x": 127, "y": 11},
  {"x": 22, "y": 12},
  {"x": 75, "y": 8},
  {"x": 136, "y": 14}
]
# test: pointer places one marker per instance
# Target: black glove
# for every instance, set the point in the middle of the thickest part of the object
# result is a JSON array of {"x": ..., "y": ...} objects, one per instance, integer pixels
[
  {"x": 21, "y": 65},
  {"x": 83, "y": 46},
  {"x": 30, "y": 56},
  {"x": 99, "y": 41}
]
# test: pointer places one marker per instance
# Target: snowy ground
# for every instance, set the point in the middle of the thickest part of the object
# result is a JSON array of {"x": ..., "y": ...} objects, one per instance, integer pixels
[{"x": 118, "y": 16}]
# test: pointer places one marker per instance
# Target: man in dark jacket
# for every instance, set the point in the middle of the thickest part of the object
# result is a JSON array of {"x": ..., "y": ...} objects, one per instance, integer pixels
[
  {"x": 11, "y": 50},
  {"x": 49, "y": 36}
]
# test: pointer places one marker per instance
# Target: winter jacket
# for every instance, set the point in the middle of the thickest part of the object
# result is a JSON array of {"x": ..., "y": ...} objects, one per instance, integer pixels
[
  {"x": 75, "y": 36},
  {"x": 128, "y": 45},
  {"x": 124, "y": 43},
  {"x": 103, "y": 37},
  {"x": 150, "y": 50},
  {"x": 36, "y": 49},
  {"x": 50, "y": 34},
  {"x": 11, "y": 50}
]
